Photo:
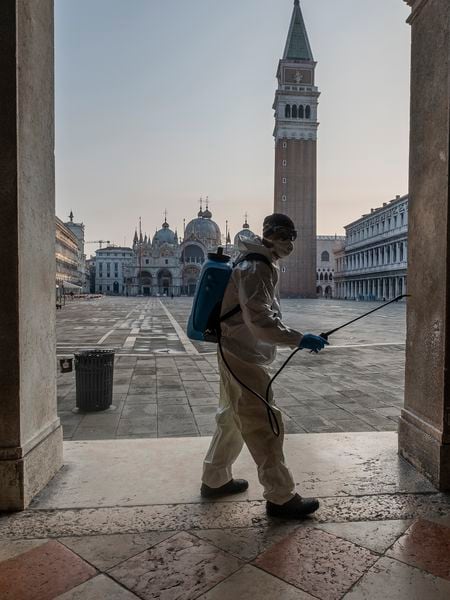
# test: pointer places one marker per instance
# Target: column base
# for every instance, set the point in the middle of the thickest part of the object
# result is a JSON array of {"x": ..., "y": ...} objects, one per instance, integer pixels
[
  {"x": 424, "y": 451},
  {"x": 22, "y": 478}
]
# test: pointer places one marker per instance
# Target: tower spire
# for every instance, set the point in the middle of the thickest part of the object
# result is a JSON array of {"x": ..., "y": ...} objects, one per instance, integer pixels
[{"x": 297, "y": 44}]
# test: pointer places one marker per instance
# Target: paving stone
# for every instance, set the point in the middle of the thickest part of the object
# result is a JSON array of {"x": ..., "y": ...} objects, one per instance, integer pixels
[
  {"x": 145, "y": 425},
  {"x": 317, "y": 562},
  {"x": 377, "y": 536},
  {"x": 389, "y": 578},
  {"x": 98, "y": 588},
  {"x": 246, "y": 543},
  {"x": 181, "y": 567},
  {"x": 106, "y": 551},
  {"x": 43, "y": 572},
  {"x": 12, "y": 548},
  {"x": 425, "y": 545},
  {"x": 250, "y": 583}
]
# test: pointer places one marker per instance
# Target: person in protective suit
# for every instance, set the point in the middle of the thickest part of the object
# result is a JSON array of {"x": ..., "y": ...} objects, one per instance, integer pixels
[{"x": 249, "y": 341}]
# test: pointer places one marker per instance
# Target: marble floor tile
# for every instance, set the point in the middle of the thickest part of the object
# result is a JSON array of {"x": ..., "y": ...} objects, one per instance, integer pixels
[
  {"x": 48, "y": 570},
  {"x": 180, "y": 568},
  {"x": 389, "y": 579},
  {"x": 374, "y": 535},
  {"x": 12, "y": 548},
  {"x": 425, "y": 545},
  {"x": 106, "y": 551},
  {"x": 98, "y": 588},
  {"x": 317, "y": 562},
  {"x": 248, "y": 542},
  {"x": 250, "y": 583}
]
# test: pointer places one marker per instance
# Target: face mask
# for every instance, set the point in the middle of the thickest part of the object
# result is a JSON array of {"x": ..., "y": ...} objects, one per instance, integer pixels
[{"x": 282, "y": 248}]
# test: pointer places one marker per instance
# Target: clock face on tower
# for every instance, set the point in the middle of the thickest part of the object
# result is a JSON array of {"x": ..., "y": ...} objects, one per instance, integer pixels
[{"x": 297, "y": 76}]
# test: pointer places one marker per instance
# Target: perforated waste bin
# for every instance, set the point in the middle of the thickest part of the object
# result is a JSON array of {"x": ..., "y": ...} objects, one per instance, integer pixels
[{"x": 94, "y": 370}]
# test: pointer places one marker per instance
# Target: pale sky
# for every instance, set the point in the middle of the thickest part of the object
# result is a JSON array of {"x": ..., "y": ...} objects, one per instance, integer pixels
[{"x": 159, "y": 102}]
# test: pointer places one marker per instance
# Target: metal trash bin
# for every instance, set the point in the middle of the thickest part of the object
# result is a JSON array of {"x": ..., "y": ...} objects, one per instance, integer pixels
[{"x": 94, "y": 370}]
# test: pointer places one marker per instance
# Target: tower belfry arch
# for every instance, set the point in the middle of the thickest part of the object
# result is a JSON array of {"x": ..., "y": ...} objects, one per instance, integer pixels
[{"x": 296, "y": 125}]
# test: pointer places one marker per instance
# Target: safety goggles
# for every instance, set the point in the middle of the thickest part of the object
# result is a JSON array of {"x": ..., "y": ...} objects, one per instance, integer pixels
[{"x": 283, "y": 233}]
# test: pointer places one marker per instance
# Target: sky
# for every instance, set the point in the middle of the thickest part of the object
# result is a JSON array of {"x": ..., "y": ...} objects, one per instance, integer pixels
[{"x": 161, "y": 102}]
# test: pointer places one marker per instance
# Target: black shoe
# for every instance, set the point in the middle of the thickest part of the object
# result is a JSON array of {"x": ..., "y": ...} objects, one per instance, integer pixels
[
  {"x": 235, "y": 486},
  {"x": 296, "y": 508}
]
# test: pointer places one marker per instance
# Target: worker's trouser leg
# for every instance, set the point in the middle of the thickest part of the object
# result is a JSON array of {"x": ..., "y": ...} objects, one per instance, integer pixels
[{"x": 242, "y": 417}]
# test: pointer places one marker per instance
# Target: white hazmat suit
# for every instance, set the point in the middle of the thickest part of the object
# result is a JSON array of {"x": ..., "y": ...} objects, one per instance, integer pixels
[{"x": 249, "y": 342}]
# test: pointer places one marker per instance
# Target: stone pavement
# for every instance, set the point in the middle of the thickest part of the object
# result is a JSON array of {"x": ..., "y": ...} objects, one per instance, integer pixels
[
  {"x": 165, "y": 386},
  {"x": 124, "y": 520}
]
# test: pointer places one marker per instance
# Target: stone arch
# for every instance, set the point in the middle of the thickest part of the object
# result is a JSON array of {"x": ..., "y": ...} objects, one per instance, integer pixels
[
  {"x": 287, "y": 111},
  {"x": 165, "y": 282},
  {"x": 191, "y": 275}
]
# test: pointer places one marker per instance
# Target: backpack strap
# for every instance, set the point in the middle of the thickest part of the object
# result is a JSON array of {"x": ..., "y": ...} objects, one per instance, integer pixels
[{"x": 252, "y": 256}]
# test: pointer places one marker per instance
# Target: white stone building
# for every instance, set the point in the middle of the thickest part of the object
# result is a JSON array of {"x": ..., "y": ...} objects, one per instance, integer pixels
[
  {"x": 327, "y": 246},
  {"x": 373, "y": 264},
  {"x": 78, "y": 231},
  {"x": 111, "y": 265}
]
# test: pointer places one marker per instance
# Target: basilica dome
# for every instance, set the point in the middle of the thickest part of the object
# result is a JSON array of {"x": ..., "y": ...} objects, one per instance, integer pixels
[
  {"x": 245, "y": 233},
  {"x": 204, "y": 229},
  {"x": 164, "y": 235}
]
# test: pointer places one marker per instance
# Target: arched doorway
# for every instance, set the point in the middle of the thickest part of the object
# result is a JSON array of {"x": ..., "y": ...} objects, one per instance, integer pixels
[
  {"x": 165, "y": 286},
  {"x": 145, "y": 282},
  {"x": 190, "y": 279},
  {"x": 319, "y": 291},
  {"x": 328, "y": 292},
  {"x": 193, "y": 254}
]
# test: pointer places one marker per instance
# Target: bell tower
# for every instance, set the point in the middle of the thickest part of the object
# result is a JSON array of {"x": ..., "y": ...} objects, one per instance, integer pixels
[{"x": 296, "y": 102}]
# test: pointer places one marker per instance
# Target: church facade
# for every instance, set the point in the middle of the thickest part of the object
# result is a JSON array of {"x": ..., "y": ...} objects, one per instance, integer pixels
[
  {"x": 296, "y": 125},
  {"x": 165, "y": 265}
]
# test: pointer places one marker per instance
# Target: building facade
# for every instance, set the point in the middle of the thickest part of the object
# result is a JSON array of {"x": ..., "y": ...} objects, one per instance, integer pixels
[
  {"x": 373, "y": 263},
  {"x": 111, "y": 268},
  {"x": 296, "y": 125},
  {"x": 78, "y": 230},
  {"x": 327, "y": 247},
  {"x": 164, "y": 265},
  {"x": 68, "y": 274}
]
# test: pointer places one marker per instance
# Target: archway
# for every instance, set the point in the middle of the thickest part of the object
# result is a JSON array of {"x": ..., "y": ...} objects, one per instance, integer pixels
[
  {"x": 319, "y": 291},
  {"x": 165, "y": 286},
  {"x": 193, "y": 254},
  {"x": 190, "y": 279},
  {"x": 145, "y": 283}
]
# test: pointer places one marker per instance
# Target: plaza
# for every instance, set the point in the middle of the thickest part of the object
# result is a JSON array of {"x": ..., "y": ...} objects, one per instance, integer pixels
[{"x": 167, "y": 386}]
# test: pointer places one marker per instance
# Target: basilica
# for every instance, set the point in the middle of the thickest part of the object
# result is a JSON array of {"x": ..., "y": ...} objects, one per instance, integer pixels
[{"x": 166, "y": 264}]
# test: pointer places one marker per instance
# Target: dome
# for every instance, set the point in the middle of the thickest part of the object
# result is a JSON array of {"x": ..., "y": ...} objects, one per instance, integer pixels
[
  {"x": 204, "y": 229},
  {"x": 164, "y": 235},
  {"x": 245, "y": 233}
]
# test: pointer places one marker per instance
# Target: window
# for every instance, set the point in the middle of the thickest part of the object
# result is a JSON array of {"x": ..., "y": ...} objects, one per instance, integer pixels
[
  {"x": 331, "y": 277},
  {"x": 284, "y": 145},
  {"x": 308, "y": 112},
  {"x": 146, "y": 261},
  {"x": 108, "y": 288},
  {"x": 287, "y": 111},
  {"x": 167, "y": 262},
  {"x": 284, "y": 180},
  {"x": 116, "y": 266},
  {"x": 284, "y": 163},
  {"x": 283, "y": 198},
  {"x": 283, "y": 269},
  {"x": 325, "y": 257},
  {"x": 123, "y": 254},
  {"x": 294, "y": 112},
  {"x": 321, "y": 277},
  {"x": 301, "y": 112},
  {"x": 402, "y": 218}
]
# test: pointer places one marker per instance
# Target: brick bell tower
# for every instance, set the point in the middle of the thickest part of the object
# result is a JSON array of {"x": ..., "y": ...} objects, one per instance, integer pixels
[{"x": 296, "y": 102}]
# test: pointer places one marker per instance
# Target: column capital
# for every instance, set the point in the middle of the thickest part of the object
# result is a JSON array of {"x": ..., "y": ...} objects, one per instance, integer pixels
[{"x": 416, "y": 7}]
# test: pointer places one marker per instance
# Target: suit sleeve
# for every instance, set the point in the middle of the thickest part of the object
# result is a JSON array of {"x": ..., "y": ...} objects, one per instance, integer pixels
[{"x": 256, "y": 289}]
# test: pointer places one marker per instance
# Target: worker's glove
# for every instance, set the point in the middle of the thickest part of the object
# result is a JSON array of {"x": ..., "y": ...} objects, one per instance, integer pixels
[{"x": 312, "y": 342}]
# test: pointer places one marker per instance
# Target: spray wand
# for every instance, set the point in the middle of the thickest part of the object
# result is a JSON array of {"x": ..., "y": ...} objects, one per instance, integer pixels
[{"x": 270, "y": 411}]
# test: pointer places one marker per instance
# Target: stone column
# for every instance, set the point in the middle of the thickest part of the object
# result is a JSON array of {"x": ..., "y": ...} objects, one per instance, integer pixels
[
  {"x": 424, "y": 429},
  {"x": 30, "y": 431}
]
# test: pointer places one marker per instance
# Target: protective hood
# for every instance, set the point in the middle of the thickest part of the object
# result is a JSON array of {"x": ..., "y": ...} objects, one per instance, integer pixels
[{"x": 254, "y": 245}]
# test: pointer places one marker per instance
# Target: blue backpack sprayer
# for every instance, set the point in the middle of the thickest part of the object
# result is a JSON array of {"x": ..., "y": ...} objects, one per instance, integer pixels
[{"x": 206, "y": 318}]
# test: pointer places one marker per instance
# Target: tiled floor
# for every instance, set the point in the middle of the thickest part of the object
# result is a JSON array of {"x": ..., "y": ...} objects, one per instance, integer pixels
[
  {"x": 164, "y": 386},
  {"x": 124, "y": 528},
  {"x": 301, "y": 562}
]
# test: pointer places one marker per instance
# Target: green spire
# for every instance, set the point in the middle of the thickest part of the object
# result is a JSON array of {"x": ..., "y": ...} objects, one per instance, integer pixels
[{"x": 297, "y": 45}]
